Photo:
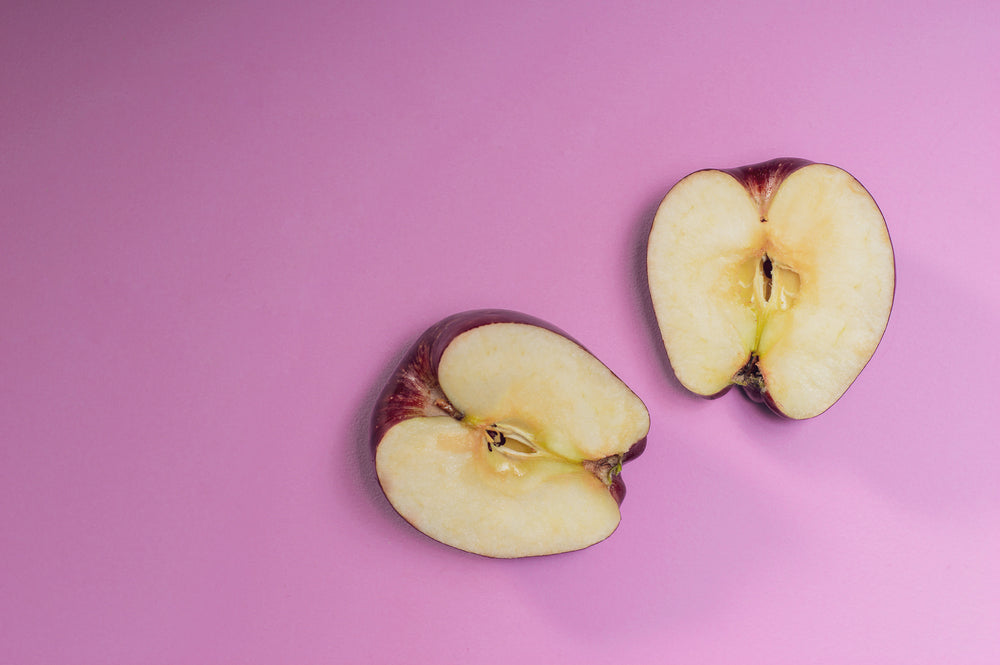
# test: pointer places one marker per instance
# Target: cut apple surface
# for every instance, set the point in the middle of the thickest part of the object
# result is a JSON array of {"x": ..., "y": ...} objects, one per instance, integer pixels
[
  {"x": 777, "y": 277},
  {"x": 499, "y": 435}
]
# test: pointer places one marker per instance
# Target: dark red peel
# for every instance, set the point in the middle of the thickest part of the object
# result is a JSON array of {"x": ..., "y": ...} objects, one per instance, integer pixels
[{"x": 762, "y": 180}]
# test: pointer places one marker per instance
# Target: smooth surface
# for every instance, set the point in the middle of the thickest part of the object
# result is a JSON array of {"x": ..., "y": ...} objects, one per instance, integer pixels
[
  {"x": 487, "y": 503},
  {"x": 542, "y": 384},
  {"x": 221, "y": 224}
]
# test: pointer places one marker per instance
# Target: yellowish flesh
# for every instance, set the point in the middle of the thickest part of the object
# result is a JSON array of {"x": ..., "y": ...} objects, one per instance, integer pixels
[
  {"x": 830, "y": 291},
  {"x": 828, "y": 226},
  {"x": 703, "y": 251},
  {"x": 439, "y": 475},
  {"x": 544, "y": 385}
]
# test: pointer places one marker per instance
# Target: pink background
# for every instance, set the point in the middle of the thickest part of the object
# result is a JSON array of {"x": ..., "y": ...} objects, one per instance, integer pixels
[{"x": 222, "y": 223}]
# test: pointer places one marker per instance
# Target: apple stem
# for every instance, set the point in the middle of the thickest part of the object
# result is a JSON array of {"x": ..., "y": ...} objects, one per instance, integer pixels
[
  {"x": 494, "y": 438},
  {"x": 447, "y": 407}
]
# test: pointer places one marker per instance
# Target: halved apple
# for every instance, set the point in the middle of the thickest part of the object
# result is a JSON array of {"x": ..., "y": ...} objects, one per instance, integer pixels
[
  {"x": 500, "y": 435},
  {"x": 777, "y": 277}
]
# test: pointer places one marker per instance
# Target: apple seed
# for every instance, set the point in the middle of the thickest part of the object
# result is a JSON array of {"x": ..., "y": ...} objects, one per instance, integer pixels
[
  {"x": 766, "y": 267},
  {"x": 494, "y": 438}
]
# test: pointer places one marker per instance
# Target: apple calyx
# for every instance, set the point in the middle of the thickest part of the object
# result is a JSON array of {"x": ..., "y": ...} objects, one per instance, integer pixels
[{"x": 751, "y": 380}]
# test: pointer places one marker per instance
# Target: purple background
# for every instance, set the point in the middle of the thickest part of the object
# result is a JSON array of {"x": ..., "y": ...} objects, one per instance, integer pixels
[{"x": 222, "y": 223}]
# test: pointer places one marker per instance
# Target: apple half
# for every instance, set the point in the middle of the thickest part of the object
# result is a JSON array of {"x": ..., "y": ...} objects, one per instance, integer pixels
[
  {"x": 500, "y": 435},
  {"x": 777, "y": 277}
]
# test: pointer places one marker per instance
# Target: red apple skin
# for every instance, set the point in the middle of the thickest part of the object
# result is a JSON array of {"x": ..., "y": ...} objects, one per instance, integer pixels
[
  {"x": 762, "y": 180},
  {"x": 413, "y": 390}
]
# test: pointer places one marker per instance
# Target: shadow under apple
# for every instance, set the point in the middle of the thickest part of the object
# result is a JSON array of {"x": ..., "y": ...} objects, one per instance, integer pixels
[
  {"x": 695, "y": 534},
  {"x": 918, "y": 426}
]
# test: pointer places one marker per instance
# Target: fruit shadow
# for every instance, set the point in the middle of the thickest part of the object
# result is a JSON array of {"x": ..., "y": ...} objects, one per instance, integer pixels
[
  {"x": 918, "y": 427},
  {"x": 689, "y": 551}
]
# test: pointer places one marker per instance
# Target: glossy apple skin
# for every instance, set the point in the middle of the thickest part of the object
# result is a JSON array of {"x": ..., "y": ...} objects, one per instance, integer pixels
[
  {"x": 762, "y": 181},
  {"x": 413, "y": 389}
]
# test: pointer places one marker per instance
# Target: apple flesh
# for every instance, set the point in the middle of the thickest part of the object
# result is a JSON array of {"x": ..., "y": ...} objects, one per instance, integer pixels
[
  {"x": 500, "y": 435},
  {"x": 777, "y": 277}
]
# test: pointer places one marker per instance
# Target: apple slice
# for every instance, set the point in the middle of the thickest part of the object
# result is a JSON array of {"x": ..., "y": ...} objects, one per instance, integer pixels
[
  {"x": 499, "y": 435},
  {"x": 777, "y": 277}
]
